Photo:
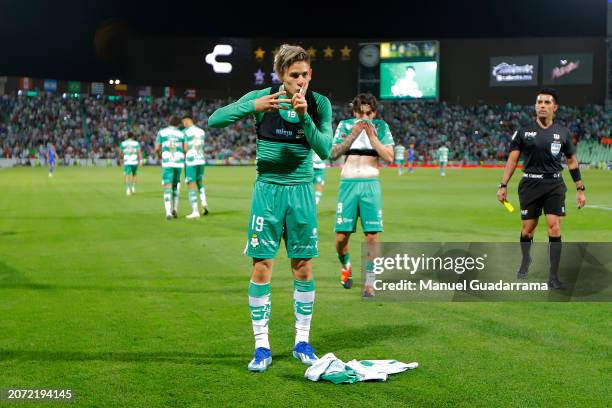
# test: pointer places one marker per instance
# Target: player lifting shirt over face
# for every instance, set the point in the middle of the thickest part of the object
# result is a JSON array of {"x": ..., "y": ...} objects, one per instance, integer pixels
[
  {"x": 292, "y": 121},
  {"x": 363, "y": 139}
]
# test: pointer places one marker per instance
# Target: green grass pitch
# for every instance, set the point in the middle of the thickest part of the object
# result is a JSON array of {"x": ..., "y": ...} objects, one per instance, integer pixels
[{"x": 101, "y": 295}]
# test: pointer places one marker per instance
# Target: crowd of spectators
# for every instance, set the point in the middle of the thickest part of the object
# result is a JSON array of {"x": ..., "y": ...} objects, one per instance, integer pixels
[{"x": 93, "y": 127}]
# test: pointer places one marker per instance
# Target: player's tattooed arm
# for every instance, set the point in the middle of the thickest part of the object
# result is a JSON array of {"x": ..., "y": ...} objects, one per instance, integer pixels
[{"x": 343, "y": 147}]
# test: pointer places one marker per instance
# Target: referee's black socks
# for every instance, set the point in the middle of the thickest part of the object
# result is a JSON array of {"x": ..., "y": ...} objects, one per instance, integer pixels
[
  {"x": 526, "y": 246},
  {"x": 554, "y": 253},
  {"x": 526, "y": 260}
]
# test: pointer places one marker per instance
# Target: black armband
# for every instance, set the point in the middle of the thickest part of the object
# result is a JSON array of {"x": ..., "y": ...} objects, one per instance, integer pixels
[{"x": 575, "y": 173}]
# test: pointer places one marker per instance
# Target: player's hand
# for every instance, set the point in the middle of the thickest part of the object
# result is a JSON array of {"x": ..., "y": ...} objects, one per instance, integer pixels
[
  {"x": 580, "y": 198},
  {"x": 358, "y": 128},
  {"x": 299, "y": 104},
  {"x": 270, "y": 103},
  {"x": 502, "y": 194},
  {"x": 370, "y": 130}
]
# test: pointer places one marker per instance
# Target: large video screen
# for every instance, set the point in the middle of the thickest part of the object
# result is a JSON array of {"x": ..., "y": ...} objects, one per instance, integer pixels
[
  {"x": 409, "y": 80},
  {"x": 513, "y": 71},
  {"x": 408, "y": 70},
  {"x": 567, "y": 69}
]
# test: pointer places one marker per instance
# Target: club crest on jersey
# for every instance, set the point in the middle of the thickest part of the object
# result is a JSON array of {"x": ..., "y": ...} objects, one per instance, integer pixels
[
  {"x": 555, "y": 148},
  {"x": 529, "y": 135},
  {"x": 254, "y": 241}
]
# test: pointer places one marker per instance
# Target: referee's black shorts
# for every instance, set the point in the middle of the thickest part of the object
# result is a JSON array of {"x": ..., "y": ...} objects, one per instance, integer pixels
[{"x": 536, "y": 195}]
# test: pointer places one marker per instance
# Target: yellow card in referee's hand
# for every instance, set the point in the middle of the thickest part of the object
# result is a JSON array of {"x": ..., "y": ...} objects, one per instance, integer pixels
[{"x": 508, "y": 206}]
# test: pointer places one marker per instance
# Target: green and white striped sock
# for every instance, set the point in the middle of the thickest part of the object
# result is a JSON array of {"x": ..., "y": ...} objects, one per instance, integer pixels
[
  {"x": 303, "y": 302},
  {"x": 168, "y": 200},
  {"x": 260, "y": 305},
  {"x": 193, "y": 199}
]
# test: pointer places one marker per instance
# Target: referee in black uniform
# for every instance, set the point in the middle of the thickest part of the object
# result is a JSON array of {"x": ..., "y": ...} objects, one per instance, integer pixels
[{"x": 542, "y": 145}]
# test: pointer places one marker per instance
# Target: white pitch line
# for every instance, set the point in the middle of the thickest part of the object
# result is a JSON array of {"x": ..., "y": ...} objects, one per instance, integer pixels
[{"x": 599, "y": 207}]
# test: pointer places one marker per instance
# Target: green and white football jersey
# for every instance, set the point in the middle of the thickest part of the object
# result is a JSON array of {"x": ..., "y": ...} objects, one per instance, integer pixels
[
  {"x": 400, "y": 152},
  {"x": 443, "y": 154},
  {"x": 345, "y": 127},
  {"x": 317, "y": 163},
  {"x": 194, "y": 139},
  {"x": 129, "y": 149},
  {"x": 171, "y": 141}
]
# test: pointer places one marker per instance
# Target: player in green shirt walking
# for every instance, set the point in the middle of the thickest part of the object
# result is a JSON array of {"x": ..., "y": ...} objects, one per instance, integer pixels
[
  {"x": 443, "y": 159},
  {"x": 170, "y": 143},
  {"x": 131, "y": 158},
  {"x": 194, "y": 164},
  {"x": 291, "y": 121}
]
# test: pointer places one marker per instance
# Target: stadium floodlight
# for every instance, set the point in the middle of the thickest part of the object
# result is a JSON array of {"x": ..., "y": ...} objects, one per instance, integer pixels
[
  {"x": 117, "y": 81},
  {"x": 111, "y": 81}
]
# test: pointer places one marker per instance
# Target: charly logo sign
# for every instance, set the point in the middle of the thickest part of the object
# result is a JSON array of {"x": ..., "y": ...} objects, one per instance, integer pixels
[
  {"x": 505, "y": 72},
  {"x": 217, "y": 66}
]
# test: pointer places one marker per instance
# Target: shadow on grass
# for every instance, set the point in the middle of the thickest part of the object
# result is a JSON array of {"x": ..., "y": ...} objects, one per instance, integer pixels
[
  {"x": 360, "y": 337},
  {"x": 230, "y": 359},
  {"x": 102, "y": 288},
  {"x": 11, "y": 276}
]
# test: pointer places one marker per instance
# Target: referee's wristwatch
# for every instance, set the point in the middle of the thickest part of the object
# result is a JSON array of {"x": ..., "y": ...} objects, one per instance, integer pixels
[
  {"x": 581, "y": 188},
  {"x": 503, "y": 185}
]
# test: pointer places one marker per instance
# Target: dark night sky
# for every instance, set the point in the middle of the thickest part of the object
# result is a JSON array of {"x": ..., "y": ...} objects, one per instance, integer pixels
[{"x": 57, "y": 38}]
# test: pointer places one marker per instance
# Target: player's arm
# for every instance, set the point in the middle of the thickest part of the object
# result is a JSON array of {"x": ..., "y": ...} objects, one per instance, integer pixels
[
  {"x": 384, "y": 151},
  {"x": 319, "y": 138},
  {"x": 574, "y": 169},
  {"x": 158, "y": 146},
  {"x": 252, "y": 103},
  {"x": 139, "y": 156},
  {"x": 513, "y": 158},
  {"x": 342, "y": 142}
]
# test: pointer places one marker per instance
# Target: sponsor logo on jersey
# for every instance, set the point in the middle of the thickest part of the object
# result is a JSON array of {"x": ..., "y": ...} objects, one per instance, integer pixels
[
  {"x": 556, "y": 136},
  {"x": 530, "y": 134},
  {"x": 555, "y": 148},
  {"x": 283, "y": 132}
]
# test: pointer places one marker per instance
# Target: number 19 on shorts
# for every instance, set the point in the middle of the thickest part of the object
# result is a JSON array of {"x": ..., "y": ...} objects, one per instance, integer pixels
[{"x": 257, "y": 223}]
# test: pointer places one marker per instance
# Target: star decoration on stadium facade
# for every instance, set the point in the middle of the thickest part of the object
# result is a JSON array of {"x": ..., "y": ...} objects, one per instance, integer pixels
[
  {"x": 328, "y": 52},
  {"x": 260, "y": 53},
  {"x": 275, "y": 78},
  {"x": 346, "y": 53},
  {"x": 260, "y": 77},
  {"x": 312, "y": 52}
]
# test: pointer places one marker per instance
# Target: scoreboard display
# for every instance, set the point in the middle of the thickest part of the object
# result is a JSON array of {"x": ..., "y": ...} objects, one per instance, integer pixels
[{"x": 400, "y": 70}]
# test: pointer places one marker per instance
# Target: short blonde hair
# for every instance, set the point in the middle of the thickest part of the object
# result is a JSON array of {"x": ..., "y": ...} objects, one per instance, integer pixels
[{"x": 287, "y": 55}]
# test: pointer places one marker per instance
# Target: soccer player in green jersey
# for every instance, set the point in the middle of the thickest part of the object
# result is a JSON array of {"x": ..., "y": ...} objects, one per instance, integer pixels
[
  {"x": 443, "y": 159},
  {"x": 291, "y": 122},
  {"x": 131, "y": 158},
  {"x": 400, "y": 153},
  {"x": 170, "y": 143},
  {"x": 318, "y": 167},
  {"x": 194, "y": 164},
  {"x": 363, "y": 140}
]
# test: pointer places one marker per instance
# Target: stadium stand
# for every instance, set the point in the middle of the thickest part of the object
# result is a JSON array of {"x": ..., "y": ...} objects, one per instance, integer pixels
[{"x": 90, "y": 128}]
